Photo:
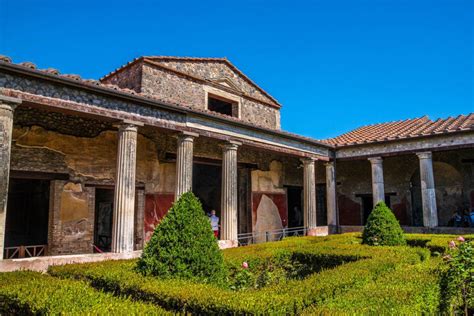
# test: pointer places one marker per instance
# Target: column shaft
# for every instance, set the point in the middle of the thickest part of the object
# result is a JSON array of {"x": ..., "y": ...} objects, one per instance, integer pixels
[
  {"x": 378, "y": 191},
  {"x": 184, "y": 164},
  {"x": 428, "y": 191},
  {"x": 7, "y": 106},
  {"x": 124, "y": 198},
  {"x": 309, "y": 195},
  {"x": 229, "y": 192},
  {"x": 331, "y": 195}
]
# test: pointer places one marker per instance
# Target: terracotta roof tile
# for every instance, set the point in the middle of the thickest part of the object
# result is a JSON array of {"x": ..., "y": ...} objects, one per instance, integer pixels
[{"x": 421, "y": 126}]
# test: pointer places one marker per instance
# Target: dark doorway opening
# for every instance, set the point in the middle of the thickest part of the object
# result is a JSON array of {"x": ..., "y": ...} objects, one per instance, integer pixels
[
  {"x": 207, "y": 179},
  {"x": 104, "y": 208},
  {"x": 321, "y": 213},
  {"x": 27, "y": 213},
  {"x": 368, "y": 205},
  {"x": 295, "y": 206}
]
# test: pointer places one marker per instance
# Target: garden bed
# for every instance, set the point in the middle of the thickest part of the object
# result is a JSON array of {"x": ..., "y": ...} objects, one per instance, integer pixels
[{"x": 334, "y": 274}]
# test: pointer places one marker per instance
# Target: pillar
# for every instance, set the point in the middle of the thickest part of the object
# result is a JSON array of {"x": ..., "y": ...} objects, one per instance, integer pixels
[
  {"x": 378, "y": 192},
  {"x": 428, "y": 192},
  {"x": 184, "y": 164},
  {"x": 7, "y": 106},
  {"x": 229, "y": 196},
  {"x": 309, "y": 195},
  {"x": 331, "y": 196},
  {"x": 124, "y": 197}
]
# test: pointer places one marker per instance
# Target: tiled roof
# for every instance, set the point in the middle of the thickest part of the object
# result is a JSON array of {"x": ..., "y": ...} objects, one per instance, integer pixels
[
  {"x": 110, "y": 87},
  {"x": 197, "y": 59},
  {"x": 417, "y": 127}
]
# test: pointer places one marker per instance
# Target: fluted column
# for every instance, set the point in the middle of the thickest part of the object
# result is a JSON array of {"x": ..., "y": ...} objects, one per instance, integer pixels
[
  {"x": 7, "y": 106},
  {"x": 378, "y": 192},
  {"x": 331, "y": 195},
  {"x": 309, "y": 193},
  {"x": 428, "y": 191},
  {"x": 184, "y": 164},
  {"x": 124, "y": 198},
  {"x": 229, "y": 196}
]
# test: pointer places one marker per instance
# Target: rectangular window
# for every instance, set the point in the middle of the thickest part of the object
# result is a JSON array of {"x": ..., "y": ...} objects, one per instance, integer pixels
[{"x": 221, "y": 105}]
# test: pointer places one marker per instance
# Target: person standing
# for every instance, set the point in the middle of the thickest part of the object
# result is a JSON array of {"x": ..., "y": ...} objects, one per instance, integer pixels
[{"x": 214, "y": 219}]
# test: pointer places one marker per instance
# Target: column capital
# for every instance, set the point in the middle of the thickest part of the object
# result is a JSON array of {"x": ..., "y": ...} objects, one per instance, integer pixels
[
  {"x": 425, "y": 155},
  {"x": 187, "y": 136},
  {"x": 9, "y": 103},
  {"x": 329, "y": 164},
  {"x": 375, "y": 160},
  {"x": 231, "y": 145},
  {"x": 308, "y": 160}
]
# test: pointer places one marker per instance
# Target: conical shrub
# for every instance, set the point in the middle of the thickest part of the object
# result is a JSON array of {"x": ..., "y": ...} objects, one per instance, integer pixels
[
  {"x": 383, "y": 228},
  {"x": 183, "y": 245}
]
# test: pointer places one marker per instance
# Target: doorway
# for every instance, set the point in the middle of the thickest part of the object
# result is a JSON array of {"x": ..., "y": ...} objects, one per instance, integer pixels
[
  {"x": 295, "y": 209},
  {"x": 207, "y": 179},
  {"x": 27, "y": 214},
  {"x": 104, "y": 206}
]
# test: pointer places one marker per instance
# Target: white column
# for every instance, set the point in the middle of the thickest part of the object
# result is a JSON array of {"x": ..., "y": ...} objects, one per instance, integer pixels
[
  {"x": 229, "y": 195},
  {"x": 309, "y": 193},
  {"x": 428, "y": 192},
  {"x": 184, "y": 164},
  {"x": 7, "y": 106},
  {"x": 124, "y": 198},
  {"x": 331, "y": 195},
  {"x": 378, "y": 192}
]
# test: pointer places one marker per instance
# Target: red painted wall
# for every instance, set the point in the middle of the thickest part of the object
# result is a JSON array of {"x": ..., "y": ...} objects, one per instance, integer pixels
[
  {"x": 280, "y": 201},
  {"x": 349, "y": 211},
  {"x": 156, "y": 207}
]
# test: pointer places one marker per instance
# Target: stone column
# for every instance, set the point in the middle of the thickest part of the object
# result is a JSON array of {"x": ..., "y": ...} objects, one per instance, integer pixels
[
  {"x": 378, "y": 192},
  {"x": 309, "y": 195},
  {"x": 331, "y": 196},
  {"x": 184, "y": 164},
  {"x": 229, "y": 196},
  {"x": 428, "y": 192},
  {"x": 124, "y": 198},
  {"x": 7, "y": 106}
]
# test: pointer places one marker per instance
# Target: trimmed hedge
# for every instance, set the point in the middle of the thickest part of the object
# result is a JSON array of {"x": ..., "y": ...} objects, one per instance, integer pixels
[
  {"x": 26, "y": 292},
  {"x": 383, "y": 228},
  {"x": 184, "y": 246},
  {"x": 364, "y": 265},
  {"x": 408, "y": 290}
]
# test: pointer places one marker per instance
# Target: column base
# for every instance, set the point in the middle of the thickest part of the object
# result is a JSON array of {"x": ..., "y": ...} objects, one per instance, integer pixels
[
  {"x": 318, "y": 231},
  {"x": 224, "y": 244}
]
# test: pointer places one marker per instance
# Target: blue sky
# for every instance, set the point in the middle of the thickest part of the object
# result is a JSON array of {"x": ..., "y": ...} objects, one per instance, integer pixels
[{"x": 334, "y": 65}]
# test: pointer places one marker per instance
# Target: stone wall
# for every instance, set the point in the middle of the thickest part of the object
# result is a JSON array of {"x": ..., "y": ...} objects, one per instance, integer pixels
[
  {"x": 171, "y": 87},
  {"x": 129, "y": 77},
  {"x": 214, "y": 71}
]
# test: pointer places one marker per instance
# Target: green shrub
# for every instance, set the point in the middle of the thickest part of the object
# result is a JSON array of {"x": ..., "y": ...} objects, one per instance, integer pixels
[
  {"x": 184, "y": 246},
  {"x": 457, "y": 279},
  {"x": 363, "y": 266},
  {"x": 382, "y": 228},
  {"x": 32, "y": 293}
]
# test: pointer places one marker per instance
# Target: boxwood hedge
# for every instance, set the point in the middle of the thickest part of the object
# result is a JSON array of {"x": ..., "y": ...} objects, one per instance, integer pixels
[
  {"x": 32, "y": 293},
  {"x": 346, "y": 274}
]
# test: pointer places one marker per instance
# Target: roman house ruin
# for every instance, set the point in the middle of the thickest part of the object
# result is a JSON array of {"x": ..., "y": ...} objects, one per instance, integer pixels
[{"x": 93, "y": 166}]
